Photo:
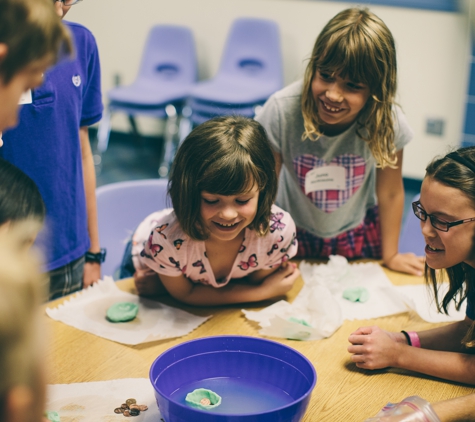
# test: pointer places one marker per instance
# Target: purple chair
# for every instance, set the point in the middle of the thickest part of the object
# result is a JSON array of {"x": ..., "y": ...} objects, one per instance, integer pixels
[
  {"x": 121, "y": 207},
  {"x": 411, "y": 239},
  {"x": 250, "y": 71},
  {"x": 166, "y": 75}
]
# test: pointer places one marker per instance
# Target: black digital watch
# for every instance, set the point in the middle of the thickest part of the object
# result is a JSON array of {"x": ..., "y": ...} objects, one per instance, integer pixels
[{"x": 98, "y": 257}]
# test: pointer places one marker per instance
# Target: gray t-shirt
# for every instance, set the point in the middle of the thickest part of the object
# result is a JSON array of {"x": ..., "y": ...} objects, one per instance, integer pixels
[{"x": 333, "y": 210}]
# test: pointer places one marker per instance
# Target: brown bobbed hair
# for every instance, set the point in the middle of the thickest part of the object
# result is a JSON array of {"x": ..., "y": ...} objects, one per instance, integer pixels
[
  {"x": 224, "y": 156},
  {"x": 32, "y": 31},
  {"x": 461, "y": 276},
  {"x": 357, "y": 45}
]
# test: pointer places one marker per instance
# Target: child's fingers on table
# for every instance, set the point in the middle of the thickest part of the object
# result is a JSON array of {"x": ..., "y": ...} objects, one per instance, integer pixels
[{"x": 364, "y": 330}]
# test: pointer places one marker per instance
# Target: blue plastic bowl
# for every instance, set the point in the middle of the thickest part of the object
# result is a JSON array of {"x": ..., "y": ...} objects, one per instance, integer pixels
[{"x": 259, "y": 380}]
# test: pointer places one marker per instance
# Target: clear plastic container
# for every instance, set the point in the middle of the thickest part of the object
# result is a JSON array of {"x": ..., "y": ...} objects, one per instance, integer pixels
[{"x": 410, "y": 409}]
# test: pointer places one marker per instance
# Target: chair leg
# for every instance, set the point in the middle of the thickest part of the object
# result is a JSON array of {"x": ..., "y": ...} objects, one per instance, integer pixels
[
  {"x": 133, "y": 124},
  {"x": 171, "y": 130},
  {"x": 185, "y": 126}
]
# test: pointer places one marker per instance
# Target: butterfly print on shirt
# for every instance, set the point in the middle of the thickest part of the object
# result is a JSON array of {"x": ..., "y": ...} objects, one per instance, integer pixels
[
  {"x": 155, "y": 248},
  {"x": 199, "y": 263},
  {"x": 292, "y": 242},
  {"x": 274, "y": 247},
  {"x": 177, "y": 243},
  {"x": 175, "y": 263},
  {"x": 251, "y": 263},
  {"x": 160, "y": 229},
  {"x": 276, "y": 223}
]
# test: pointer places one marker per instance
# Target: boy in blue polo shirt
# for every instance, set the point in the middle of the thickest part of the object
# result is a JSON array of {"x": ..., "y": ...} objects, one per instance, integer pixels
[{"x": 51, "y": 145}]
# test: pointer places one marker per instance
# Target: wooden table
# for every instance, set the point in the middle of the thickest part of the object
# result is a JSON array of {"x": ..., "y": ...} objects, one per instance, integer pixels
[{"x": 343, "y": 392}]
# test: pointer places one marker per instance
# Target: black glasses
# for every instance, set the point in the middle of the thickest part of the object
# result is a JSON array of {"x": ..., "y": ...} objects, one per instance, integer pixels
[
  {"x": 436, "y": 222},
  {"x": 68, "y": 2}
]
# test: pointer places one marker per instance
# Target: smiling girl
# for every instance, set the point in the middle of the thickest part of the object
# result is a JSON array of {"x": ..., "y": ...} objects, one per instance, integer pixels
[
  {"x": 447, "y": 213},
  {"x": 338, "y": 139},
  {"x": 224, "y": 241}
]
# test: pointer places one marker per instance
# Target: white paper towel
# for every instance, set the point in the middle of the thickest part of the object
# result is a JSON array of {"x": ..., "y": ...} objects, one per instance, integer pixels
[{"x": 155, "y": 321}]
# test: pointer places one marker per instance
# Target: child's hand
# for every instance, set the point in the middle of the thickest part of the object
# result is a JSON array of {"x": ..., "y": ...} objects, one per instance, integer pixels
[
  {"x": 148, "y": 283},
  {"x": 374, "y": 348},
  {"x": 282, "y": 280},
  {"x": 406, "y": 263}
]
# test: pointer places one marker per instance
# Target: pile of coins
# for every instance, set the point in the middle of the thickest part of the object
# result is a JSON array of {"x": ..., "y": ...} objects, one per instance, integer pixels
[{"x": 130, "y": 408}]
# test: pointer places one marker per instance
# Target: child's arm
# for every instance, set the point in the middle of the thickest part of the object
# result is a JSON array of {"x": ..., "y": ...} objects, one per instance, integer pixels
[
  {"x": 92, "y": 270},
  {"x": 458, "y": 409},
  {"x": 374, "y": 348},
  {"x": 390, "y": 192},
  {"x": 278, "y": 283}
]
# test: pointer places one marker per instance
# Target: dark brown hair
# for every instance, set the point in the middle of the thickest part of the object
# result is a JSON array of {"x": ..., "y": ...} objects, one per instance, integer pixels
[
  {"x": 461, "y": 276},
  {"x": 358, "y": 45},
  {"x": 20, "y": 198},
  {"x": 224, "y": 156},
  {"x": 32, "y": 31}
]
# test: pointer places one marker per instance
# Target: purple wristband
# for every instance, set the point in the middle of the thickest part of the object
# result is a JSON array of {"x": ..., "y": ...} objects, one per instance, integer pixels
[{"x": 415, "y": 341}]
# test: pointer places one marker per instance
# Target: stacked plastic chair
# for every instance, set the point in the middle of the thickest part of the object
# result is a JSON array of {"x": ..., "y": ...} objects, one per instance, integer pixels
[
  {"x": 121, "y": 207},
  {"x": 250, "y": 71},
  {"x": 166, "y": 76}
]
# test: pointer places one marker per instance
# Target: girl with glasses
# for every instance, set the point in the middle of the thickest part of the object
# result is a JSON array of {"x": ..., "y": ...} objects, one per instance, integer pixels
[{"x": 447, "y": 212}]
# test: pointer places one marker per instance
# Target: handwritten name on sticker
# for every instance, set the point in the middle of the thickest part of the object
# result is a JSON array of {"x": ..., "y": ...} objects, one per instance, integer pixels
[{"x": 325, "y": 178}]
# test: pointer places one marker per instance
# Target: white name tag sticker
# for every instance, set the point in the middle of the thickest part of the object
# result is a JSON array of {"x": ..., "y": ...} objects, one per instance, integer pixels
[
  {"x": 325, "y": 178},
  {"x": 26, "y": 98}
]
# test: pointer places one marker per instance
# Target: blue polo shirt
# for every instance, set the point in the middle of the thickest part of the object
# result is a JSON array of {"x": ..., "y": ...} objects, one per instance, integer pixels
[{"x": 46, "y": 146}]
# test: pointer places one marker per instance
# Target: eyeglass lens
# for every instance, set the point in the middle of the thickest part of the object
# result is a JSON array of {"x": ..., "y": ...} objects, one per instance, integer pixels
[{"x": 422, "y": 215}]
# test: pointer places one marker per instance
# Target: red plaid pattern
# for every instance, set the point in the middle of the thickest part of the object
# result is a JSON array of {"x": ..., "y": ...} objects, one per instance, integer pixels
[
  {"x": 362, "y": 242},
  {"x": 331, "y": 200}
]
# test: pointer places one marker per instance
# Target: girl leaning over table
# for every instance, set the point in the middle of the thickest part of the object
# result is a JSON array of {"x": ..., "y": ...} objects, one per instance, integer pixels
[{"x": 224, "y": 241}]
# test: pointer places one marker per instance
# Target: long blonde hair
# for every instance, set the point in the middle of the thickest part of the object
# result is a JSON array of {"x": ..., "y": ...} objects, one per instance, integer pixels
[
  {"x": 358, "y": 45},
  {"x": 21, "y": 292}
]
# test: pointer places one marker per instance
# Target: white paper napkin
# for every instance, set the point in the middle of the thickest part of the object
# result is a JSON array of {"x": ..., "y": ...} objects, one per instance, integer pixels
[
  {"x": 320, "y": 303},
  {"x": 96, "y": 401},
  {"x": 155, "y": 321},
  {"x": 421, "y": 299}
]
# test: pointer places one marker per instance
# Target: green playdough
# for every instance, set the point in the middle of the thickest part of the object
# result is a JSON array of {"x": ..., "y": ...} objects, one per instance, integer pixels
[
  {"x": 52, "y": 416},
  {"x": 356, "y": 294},
  {"x": 122, "y": 312},
  {"x": 194, "y": 399},
  {"x": 299, "y": 321}
]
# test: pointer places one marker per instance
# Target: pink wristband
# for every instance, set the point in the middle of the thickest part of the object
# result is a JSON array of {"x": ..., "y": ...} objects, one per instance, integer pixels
[{"x": 415, "y": 341}]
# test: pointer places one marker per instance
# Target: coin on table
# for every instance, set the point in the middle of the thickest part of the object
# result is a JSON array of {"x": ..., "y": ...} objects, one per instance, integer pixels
[
  {"x": 119, "y": 410},
  {"x": 205, "y": 402},
  {"x": 134, "y": 406},
  {"x": 143, "y": 407},
  {"x": 124, "y": 406},
  {"x": 134, "y": 412},
  {"x": 128, "y": 402},
  {"x": 127, "y": 413}
]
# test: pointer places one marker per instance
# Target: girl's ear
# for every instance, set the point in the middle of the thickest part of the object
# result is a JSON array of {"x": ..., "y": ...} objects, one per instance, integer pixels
[{"x": 19, "y": 404}]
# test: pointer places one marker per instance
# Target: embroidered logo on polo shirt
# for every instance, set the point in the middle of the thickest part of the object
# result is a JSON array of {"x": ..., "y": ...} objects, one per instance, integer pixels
[{"x": 77, "y": 80}]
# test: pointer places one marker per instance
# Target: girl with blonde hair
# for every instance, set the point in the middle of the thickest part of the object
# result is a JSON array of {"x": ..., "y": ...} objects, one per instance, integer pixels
[{"x": 338, "y": 139}]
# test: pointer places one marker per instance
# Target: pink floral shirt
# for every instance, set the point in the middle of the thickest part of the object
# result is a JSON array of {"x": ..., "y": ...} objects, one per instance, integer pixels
[{"x": 160, "y": 244}]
